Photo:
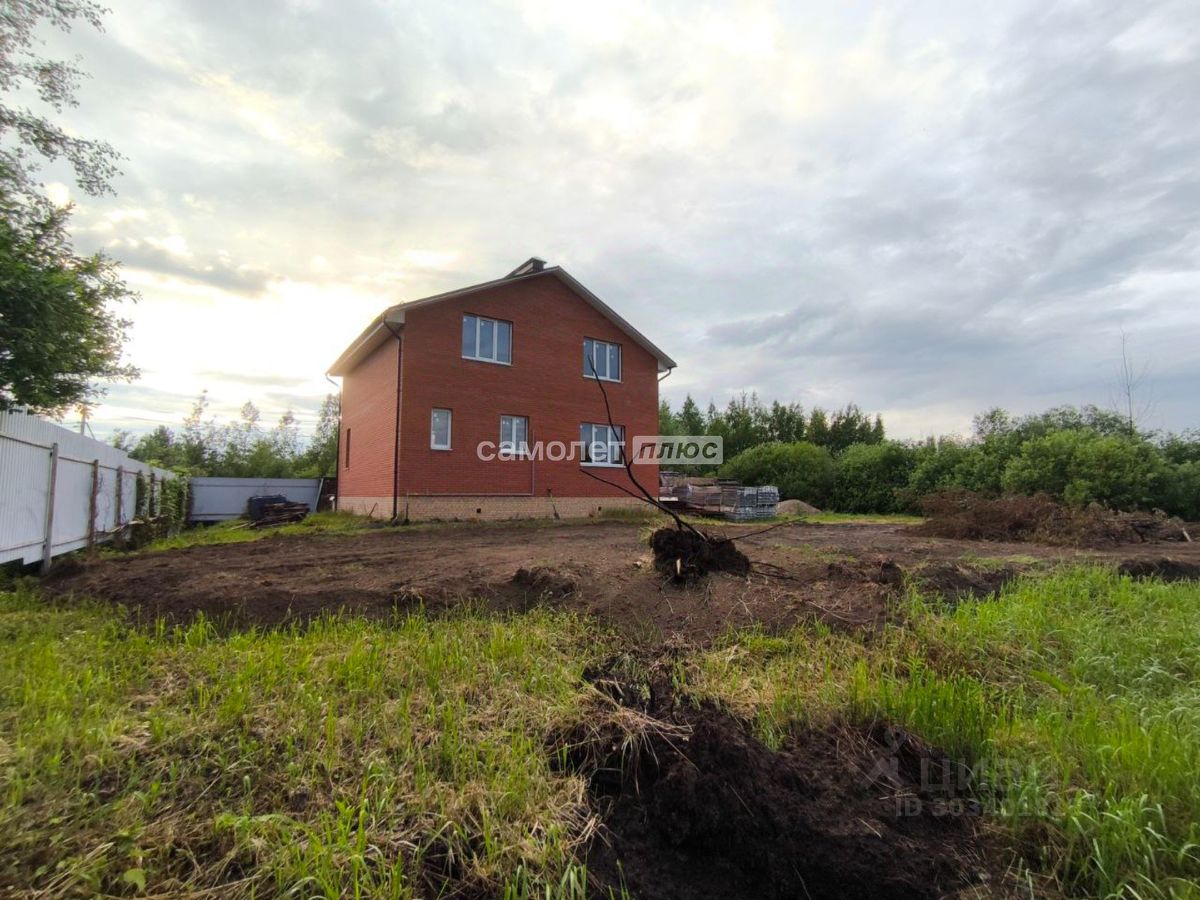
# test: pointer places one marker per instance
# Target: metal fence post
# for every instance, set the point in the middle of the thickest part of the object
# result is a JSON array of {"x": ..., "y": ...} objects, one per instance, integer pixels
[
  {"x": 91, "y": 529},
  {"x": 48, "y": 539},
  {"x": 119, "y": 523}
]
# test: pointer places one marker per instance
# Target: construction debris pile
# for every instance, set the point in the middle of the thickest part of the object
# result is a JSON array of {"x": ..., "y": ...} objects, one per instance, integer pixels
[
  {"x": 274, "y": 509},
  {"x": 718, "y": 497}
]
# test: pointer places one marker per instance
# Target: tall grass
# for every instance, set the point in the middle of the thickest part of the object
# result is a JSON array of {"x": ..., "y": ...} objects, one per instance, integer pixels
[
  {"x": 1077, "y": 695},
  {"x": 347, "y": 759}
]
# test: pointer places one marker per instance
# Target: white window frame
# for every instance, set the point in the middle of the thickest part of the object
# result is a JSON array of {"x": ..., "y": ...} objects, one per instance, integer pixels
[
  {"x": 593, "y": 359},
  {"x": 495, "y": 358},
  {"x": 512, "y": 449},
  {"x": 433, "y": 444},
  {"x": 587, "y": 437}
]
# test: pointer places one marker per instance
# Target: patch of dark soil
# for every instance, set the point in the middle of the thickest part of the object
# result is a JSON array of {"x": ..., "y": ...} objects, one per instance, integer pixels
[
  {"x": 1164, "y": 568},
  {"x": 685, "y": 556},
  {"x": 545, "y": 581},
  {"x": 699, "y": 808},
  {"x": 845, "y": 576},
  {"x": 958, "y": 582}
]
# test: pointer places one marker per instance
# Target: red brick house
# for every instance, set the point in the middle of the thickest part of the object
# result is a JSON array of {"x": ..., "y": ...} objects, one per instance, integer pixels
[{"x": 461, "y": 405}]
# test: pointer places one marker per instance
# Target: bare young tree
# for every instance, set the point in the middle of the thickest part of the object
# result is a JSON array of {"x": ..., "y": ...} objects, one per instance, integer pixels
[{"x": 1131, "y": 397}]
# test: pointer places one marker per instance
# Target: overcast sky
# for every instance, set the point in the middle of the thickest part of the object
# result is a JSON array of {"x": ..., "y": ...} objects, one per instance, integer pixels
[{"x": 926, "y": 209}]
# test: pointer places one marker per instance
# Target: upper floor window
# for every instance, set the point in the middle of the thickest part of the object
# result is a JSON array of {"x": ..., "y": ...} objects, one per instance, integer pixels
[
  {"x": 601, "y": 360},
  {"x": 489, "y": 340},
  {"x": 514, "y": 436},
  {"x": 439, "y": 429}
]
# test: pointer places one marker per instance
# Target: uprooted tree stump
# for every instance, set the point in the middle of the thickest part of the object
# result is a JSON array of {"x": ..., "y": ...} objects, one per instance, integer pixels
[{"x": 685, "y": 556}]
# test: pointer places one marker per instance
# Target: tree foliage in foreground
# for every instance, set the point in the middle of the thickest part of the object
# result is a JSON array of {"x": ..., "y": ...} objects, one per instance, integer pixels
[{"x": 58, "y": 330}]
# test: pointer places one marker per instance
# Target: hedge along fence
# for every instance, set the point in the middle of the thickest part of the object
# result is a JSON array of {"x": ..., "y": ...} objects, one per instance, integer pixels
[{"x": 61, "y": 491}]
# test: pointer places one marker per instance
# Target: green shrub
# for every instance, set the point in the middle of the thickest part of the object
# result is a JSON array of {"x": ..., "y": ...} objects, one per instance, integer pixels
[
  {"x": 801, "y": 471},
  {"x": 870, "y": 477},
  {"x": 1082, "y": 467},
  {"x": 1183, "y": 491}
]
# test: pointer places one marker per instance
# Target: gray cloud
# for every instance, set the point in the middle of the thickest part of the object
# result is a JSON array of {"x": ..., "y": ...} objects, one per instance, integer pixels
[{"x": 928, "y": 211}]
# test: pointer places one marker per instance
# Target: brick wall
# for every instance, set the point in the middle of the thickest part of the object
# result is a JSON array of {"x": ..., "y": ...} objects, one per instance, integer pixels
[
  {"x": 487, "y": 508},
  {"x": 369, "y": 415},
  {"x": 544, "y": 383}
]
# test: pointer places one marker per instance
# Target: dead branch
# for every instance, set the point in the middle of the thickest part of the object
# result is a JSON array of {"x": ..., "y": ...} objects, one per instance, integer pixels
[{"x": 646, "y": 496}]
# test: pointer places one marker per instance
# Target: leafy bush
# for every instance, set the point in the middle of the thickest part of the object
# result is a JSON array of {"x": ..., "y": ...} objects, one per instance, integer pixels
[
  {"x": 1183, "y": 491},
  {"x": 1083, "y": 467},
  {"x": 801, "y": 471},
  {"x": 870, "y": 476}
]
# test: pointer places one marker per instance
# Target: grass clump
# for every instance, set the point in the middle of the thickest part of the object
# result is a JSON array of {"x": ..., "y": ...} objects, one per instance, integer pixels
[
  {"x": 1074, "y": 696},
  {"x": 347, "y": 758}
]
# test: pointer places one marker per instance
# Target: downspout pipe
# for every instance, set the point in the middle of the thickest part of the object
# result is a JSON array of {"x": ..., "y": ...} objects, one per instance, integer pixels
[
  {"x": 396, "y": 441},
  {"x": 337, "y": 452}
]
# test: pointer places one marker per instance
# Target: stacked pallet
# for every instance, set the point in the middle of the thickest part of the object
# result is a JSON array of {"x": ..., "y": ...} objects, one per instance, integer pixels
[
  {"x": 718, "y": 497},
  {"x": 744, "y": 504}
]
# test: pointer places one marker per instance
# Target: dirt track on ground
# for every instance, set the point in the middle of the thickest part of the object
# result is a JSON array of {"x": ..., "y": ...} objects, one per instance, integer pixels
[{"x": 841, "y": 574}]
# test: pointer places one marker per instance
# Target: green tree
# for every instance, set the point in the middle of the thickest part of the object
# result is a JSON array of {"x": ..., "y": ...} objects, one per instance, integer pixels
[
  {"x": 745, "y": 424},
  {"x": 320, "y": 459},
  {"x": 667, "y": 423},
  {"x": 29, "y": 137},
  {"x": 801, "y": 471},
  {"x": 872, "y": 478},
  {"x": 691, "y": 420},
  {"x": 818, "y": 428},
  {"x": 785, "y": 423},
  {"x": 850, "y": 426},
  {"x": 58, "y": 331}
]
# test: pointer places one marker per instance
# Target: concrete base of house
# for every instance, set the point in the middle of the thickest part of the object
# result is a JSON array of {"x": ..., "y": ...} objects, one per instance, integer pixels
[{"x": 420, "y": 508}]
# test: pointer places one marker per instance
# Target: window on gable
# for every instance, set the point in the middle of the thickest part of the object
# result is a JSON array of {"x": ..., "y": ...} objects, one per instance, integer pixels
[
  {"x": 488, "y": 340},
  {"x": 439, "y": 429},
  {"x": 347, "y": 448},
  {"x": 514, "y": 436},
  {"x": 602, "y": 444},
  {"x": 601, "y": 360}
]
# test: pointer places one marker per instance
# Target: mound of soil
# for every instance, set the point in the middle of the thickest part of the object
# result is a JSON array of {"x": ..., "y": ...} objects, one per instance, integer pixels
[
  {"x": 702, "y": 809},
  {"x": 685, "y": 556},
  {"x": 796, "y": 508},
  {"x": 955, "y": 582},
  {"x": 965, "y": 515},
  {"x": 1165, "y": 569}
]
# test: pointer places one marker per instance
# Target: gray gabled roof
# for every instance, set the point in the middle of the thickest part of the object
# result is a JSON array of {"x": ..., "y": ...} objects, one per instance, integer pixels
[{"x": 378, "y": 331}]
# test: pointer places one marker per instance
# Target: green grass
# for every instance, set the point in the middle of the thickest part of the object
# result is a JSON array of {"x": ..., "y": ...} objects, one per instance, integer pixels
[
  {"x": 354, "y": 758},
  {"x": 1078, "y": 694},
  {"x": 836, "y": 518},
  {"x": 347, "y": 759}
]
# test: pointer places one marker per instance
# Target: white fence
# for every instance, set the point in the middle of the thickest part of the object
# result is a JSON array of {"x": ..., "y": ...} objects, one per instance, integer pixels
[
  {"x": 61, "y": 491},
  {"x": 215, "y": 499}
]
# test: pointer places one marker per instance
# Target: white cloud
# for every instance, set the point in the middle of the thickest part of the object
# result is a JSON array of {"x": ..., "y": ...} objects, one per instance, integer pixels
[{"x": 927, "y": 210}]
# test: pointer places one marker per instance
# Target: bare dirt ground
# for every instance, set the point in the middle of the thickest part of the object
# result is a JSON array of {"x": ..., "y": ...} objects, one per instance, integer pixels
[
  {"x": 703, "y": 808},
  {"x": 841, "y": 574}
]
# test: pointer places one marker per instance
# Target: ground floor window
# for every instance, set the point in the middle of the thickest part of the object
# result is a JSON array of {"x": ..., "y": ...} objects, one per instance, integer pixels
[
  {"x": 602, "y": 444},
  {"x": 514, "y": 436},
  {"x": 439, "y": 429}
]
